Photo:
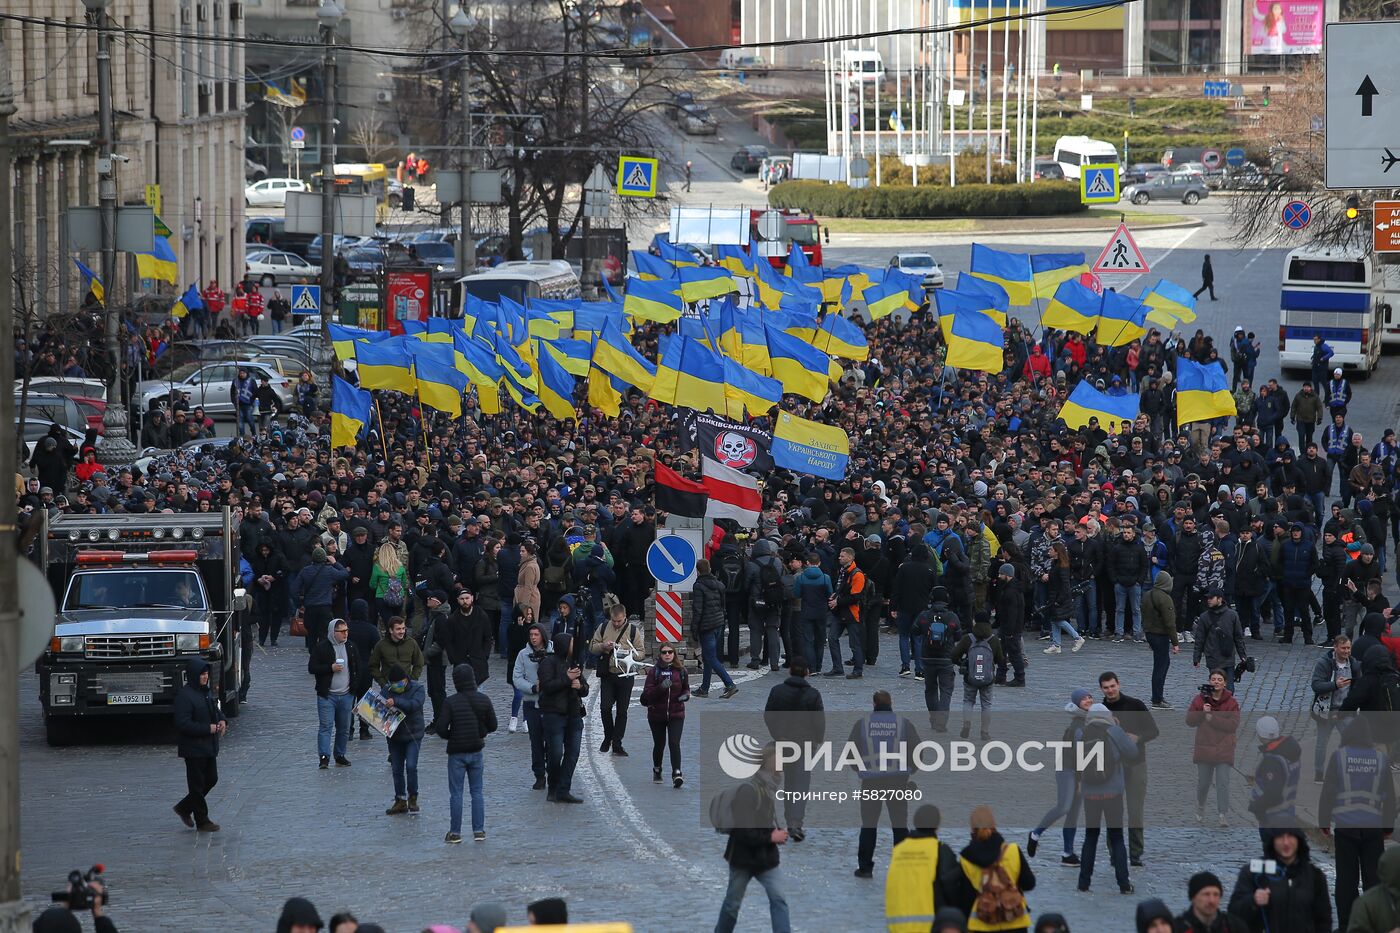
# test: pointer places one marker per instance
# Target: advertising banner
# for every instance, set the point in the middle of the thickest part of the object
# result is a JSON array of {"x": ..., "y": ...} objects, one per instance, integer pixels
[
  {"x": 1286, "y": 27},
  {"x": 407, "y": 298}
]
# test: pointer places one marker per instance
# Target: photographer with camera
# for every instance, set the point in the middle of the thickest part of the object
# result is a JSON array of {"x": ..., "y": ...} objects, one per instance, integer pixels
[
  {"x": 85, "y": 892},
  {"x": 1283, "y": 892},
  {"x": 1215, "y": 715}
]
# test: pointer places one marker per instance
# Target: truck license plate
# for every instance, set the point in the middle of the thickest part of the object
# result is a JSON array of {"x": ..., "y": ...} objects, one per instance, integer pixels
[{"x": 128, "y": 699}]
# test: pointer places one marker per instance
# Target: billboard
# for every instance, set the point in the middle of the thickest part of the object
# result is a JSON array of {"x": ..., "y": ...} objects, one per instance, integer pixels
[
  {"x": 407, "y": 298},
  {"x": 1286, "y": 27}
]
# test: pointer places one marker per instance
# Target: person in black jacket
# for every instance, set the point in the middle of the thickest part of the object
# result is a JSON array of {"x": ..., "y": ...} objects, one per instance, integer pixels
[
  {"x": 465, "y": 721},
  {"x": 1292, "y": 898},
  {"x": 364, "y": 635},
  {"x": 709, "y": 615},
  {"x": 562, "y": 689},
  {"x": 752, "y": 848},
  {"x": 467, "y": 635},
  {"x": 1011, "y": 622},
  {"x": 335, "y": 665},
  {"x": 937, "y": 632},
  {"x": 200, "y": 724},
  {"x": 1127, "y": 568},
  {"x": 913, "y": 583},
  {"x": 795, "y": 713}
]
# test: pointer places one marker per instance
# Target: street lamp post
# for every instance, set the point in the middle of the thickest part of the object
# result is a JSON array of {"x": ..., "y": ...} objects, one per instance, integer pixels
[
  {"x": 461, "y": 24},
  {"x": 328, "y": 16}
]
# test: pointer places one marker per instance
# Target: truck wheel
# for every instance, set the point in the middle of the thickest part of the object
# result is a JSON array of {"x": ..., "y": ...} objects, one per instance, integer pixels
[
  {"x": 232, "y": 707},
  {"x": 60, "y": 731}
]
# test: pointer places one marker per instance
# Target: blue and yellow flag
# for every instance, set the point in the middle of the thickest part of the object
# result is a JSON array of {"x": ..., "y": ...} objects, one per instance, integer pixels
[
  {"x": 1074, "y": 307},
  {"x": 350, "y": 412},
  {"x": 836, "y": 336},
  {"x": 736, "y": 259},
  {"x": 650, "y": 268},
  {"x": 809, "y": 447},
  {"x": 590, "y": 316},
  {"x": 345, "y": 338},
  {"x": 1121, "y": 320},
  {"x": 975, "y": 341},
  {"x": 652, "y": 301},
  {"x": 440, "y": 386},
  {"x": 1202, "y": 392},
  {"x": 191, "y": 300},
  {"x": 605, "y": 392},
  {"x": 556, "y": 389},
  {"x": 675, "y": 255},
  {"x": 476, "y": 361},
  {"x": 1086, "y": 402},
  {"x": 160, "y": 263},
  {"x": 412, "y": 328},
  {"x": 701, "y": 282},
  {"x": 744, "y": 390},
  {"x": 800, "y": 268},
  {"x": 1048, "y": 270},
  {"x": 1170, "y": 303},
  {"x": 573, "y": 355},
  {"x": 441, "y": 329},
  {"x": 690, "y": 374},
  {"x": 884, "y": 298},
  {"x": 614, "y": 354},
  {"x": 951, "y": 303},
  {"x": 1012, "y": 271},
  {"x": 91, "y": 282},
  {"x": 801, "y": 368},
  {"x": 385, "y": 365}
]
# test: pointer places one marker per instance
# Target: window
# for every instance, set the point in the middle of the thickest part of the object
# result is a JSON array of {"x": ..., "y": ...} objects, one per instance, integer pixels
[{"x": 1324, "y": 270}]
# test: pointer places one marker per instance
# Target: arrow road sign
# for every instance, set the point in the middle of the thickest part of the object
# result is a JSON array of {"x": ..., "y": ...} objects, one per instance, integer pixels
[
  {"x": 671, "y": 558},
  {"x": 1367, "y": 92},
  {"x": 1359, "y": 132},
  {"x": 1385, "y": 231}
]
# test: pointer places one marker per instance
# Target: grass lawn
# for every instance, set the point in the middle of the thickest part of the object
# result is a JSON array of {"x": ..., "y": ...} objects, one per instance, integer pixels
[{"x": 1093, "y": 219}]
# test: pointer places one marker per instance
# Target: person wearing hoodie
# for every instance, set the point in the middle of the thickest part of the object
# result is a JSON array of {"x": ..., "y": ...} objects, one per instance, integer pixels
[
  {"x": 1292, "y": 898},
  {"x": 924, "y": 877},
  {"x": 913, "y": 585},
  {"x": 408, "y": 697},
  {"x": 299, "y": 916},
  {"x": 1274, "y": 795},
  {"x": 526, "y": 675},
  {"x": 812, "y": 588},
  {"x": 199, "y": 723},
  {"x": 1357, "y": 804},
  {"x": 336, "y": 666},
  {"x": 1067, "y": 799},
  {"x": 1378, "y": 909},
  {"x": 988, "y": 848},
  {"x": 937, "y": 631},
  {"x": 665, "y": 692},
  {"x": 364, "y": 635},
  {"x": 466, "y": 721},
  {"x": 708, "y": 612},
  {"x": 1159, "y": 626},
  {"x": 562, "y": 691},
  {"x": 768, "y": 588},
  {"x": 1216, "y": 720},
  {"x": 1102, "y": 789},
  {"x": 974, "y": 691},
  {"x": 1218, "y": 637},
  {"x": 794, "y": 712},
  {"x": 1370, "y": 693},
  {"x": 751, "y": 847}
]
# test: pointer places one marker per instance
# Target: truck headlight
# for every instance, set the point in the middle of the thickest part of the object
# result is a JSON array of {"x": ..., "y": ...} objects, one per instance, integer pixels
[
  {"x": 70, "y": 643},
  {"x": 62, "y": 689},
  {"x": 188, "y": 642}
]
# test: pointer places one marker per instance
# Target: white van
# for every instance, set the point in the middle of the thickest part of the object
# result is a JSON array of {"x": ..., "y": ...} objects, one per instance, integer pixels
[
  {"x": 523, "y": 280},
  {"x": 744, "y": 61},
  {"x": 861, "y": 65},
  {"x": 1074, "y": 151}
]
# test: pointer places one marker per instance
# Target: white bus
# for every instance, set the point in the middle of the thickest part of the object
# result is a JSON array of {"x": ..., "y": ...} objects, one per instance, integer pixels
[
  {"x": 522, "y": 280},
  {"x": 1073, "y": 151},
  {"x": 1328, "y": 293},
  {"x": 1385, "y": 291}
]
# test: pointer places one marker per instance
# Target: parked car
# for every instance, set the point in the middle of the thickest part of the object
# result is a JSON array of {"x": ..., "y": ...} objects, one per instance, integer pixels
[
  {"x": 366, "y": 260},
  {"x": 696, "y": 120},
  {"x": 919, "y": 264},
  {"x": 1189, "y": 168},
  {"x": 441, "y": 257},
  {"x": 747, "y": 159},
  {"x": 275, "y": 266},
  {"x": 1140, "y": 172},
  {"x": 438, "y": 235},
  {"x": 210, "y": 386},
  {"x": 678, "y": 100},
  {"x": 71, "y": 386},
  {"x": 342, "y": 243},
  {"x": 1049, "y": 170},
  {"x": 1247, "y": 177},
  {"x": 59, "y": 409},
  {"x": 1176, "y": 186},
  {"x": 271, "y": 192},
  {"x": 253, "y": 171}
]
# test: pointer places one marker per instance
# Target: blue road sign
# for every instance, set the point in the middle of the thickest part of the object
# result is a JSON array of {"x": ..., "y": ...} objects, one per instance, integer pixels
[
  {"x": 298, "y": 134},
  {"x": 637, "y": 176},
  {"x": 1296, "y": 215},
  {"x": 1098, "y": 184},
  {"x": 671, "y": 559},
  {"x": 1234, "y": 157},
  {"x": 306, "y": 299}
]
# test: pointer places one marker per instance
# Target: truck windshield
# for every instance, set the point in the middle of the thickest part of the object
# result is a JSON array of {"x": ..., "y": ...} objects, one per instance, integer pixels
[
  {"x": 135, "y": 589},
  {"x": 804, "y": 234}
]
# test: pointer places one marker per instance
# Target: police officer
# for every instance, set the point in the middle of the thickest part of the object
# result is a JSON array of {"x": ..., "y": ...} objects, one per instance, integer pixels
[
  {"x": 1274, "y": 797},
  {"x": 1358, "y": 800},
  {"x": 885, "y": 740}
]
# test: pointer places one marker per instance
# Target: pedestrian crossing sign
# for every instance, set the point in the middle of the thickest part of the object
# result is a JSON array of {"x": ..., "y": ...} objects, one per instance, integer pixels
[
  {"x": 636, "y": 176},
  {"x": 306, "y": 299},
  {"x": 1098, "y": 184}
]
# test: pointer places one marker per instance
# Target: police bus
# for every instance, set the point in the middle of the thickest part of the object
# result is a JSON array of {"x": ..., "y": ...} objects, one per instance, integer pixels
[{"x": 1328, "y": 293}]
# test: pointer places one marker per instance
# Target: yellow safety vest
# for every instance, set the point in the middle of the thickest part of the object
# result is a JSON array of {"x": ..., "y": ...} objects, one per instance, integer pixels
[
  {"x": 1011, "y": 861},
  {"x": 909, "y": 906}
]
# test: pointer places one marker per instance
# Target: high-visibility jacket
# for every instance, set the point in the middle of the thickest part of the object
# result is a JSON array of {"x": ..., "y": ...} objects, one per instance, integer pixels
[
  {"x": 909, "y": 900},
  {"x": 1010, "y": 859}
]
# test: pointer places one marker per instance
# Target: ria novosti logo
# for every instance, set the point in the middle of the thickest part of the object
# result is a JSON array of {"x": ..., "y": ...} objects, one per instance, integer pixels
[{"x": 740, "y": 756}]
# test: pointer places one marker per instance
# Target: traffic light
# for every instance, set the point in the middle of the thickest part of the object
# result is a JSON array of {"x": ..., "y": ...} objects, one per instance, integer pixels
[
  {"x": 1353, "y": 207},
  {"x": 1268, "y": 89},
  {"x": 407, "y": 201}
]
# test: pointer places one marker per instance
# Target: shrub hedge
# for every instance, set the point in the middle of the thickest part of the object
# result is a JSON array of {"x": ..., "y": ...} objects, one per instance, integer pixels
[{"x": 928, "y": 201}]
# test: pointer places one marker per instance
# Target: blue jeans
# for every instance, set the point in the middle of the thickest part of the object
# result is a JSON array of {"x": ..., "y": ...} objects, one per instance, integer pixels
[
  {"x": 905, "y": 622},
  {"x": 1319, "y": 504},
  {"x": 507, "y": 610},
  {"x": 1129, "y": 609},
  {"x": 854, "y": 635},
  {"x": 1066, "y": 807},
  {"x": 709, "y": 658},
  {"x": 334, "y": 712},
  {"x": 1061, "y": 625},
  {"x": 403, "y": 760},
  {"x": 1086, "y": 606},
  {"x": 515, "y": 702},
  {"x": 247, "y": 417},
  {"x": 811, "y": 639},
  {"x": 739, "y": 879},
  {"x": 562, "y": 736},
  {"x": 460, "y": 767}
]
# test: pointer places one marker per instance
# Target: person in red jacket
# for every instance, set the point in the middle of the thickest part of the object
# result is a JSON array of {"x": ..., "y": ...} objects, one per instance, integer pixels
[
  {"x": 1037, "y": 365},
  {"x": 88, "y": 465},
  {"x": 214, "y": 300},
  {"x": 253, "y": 311},
  {"x": 664, "y": 694},
  {"x": 1215, "y": 715}
]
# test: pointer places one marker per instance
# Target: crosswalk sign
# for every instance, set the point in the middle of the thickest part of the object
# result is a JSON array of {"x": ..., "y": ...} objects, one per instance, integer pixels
[
  {"x": 636, "y": 176},
  {"x": 1121, "y": 255},
  {"x": 1098, "y": 184},
  {"x": 306, "y": 299}
]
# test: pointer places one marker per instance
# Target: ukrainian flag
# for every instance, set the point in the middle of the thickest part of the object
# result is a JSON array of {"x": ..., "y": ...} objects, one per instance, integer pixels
[
  {"x": 413, "y": 329},
  {"x": 736, "y": 259},
  {"x": 516, "y": 366},
  {"x": 590, "y": 316},
  {"x": 1048, "y": 270},
  {"x": 952, "y": 303},
  {"x": 884, "y": 298},
  {"x": 649, "y": 267},
  {"x": 701, "y": 282},
  {"x": 556, "y": 388},
  {"x": 797, "y": 310},
  {"x": 605, "y": 392},
  {"x": 772, "y": 285},
  {"x": 675, "y": 255},
  {"x": 350, "y": 408},
  {"x": 753, "y": 344},
  {"x": 690, "y": 374},
  {"x": 799, "y": 269},
  {"x": 344, "y": 339},
  {"x": 614, "y": 354},
  {"x": 1086, "y": 402},
  {"x": 189, "y": 301},
  {"x": 1012, "y": 271},
  {"x": 652, "y": 301},
  {"x": 1202, "y": 392},
  {"x": 746, "y": 390},
  {"x": 439, "y": 353},
  {"x": 1075, "y": 307},
  {"x": 385, "y": 365},
  {"x": 996, "y": 295},
  {"x": 440, "y": 386},
  {"x": 91, "y": 282},
  {"x": 474, "y": 359},
  {"x": 611, "y": 292},
  {"x": 1170, "y": 303},
  {"x": 573, "y": 355},
  {"x": 1122, "y": 320},
  {"x": 802, "y": 369},
  {"x": 836, "y": 336},
  {"x": 976, "y": 341},
  {"x": 440, "y": 330},
  {"x": 160, "y": 263},
  {"x": 913, "y": 285},
  {"x": 521, "y": 394}
]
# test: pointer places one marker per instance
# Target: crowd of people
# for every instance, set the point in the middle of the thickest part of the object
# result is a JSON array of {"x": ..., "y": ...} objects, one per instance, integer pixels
[{"x": 971, "y": 522}]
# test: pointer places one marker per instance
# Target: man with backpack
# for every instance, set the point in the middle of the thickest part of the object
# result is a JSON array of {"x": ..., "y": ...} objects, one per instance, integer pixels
[
  {"x": 913, "y": 582},
  {"x": 848, "y": 605},
  {"x": 1102, "y": 784},
  {"x": 732, "y": 571},
  {"x": 748, "y": 814},
  {"x": 1219, "y": 637},
  {"x": 937, "y": 632},
  {"x": 794, "y": 713},
  {"x": 979, "y": 652},
  {"x": 768, "y": 591}
]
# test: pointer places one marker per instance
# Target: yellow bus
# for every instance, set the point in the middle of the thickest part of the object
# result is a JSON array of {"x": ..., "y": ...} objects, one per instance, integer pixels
[{"x": 362, "y": 178}]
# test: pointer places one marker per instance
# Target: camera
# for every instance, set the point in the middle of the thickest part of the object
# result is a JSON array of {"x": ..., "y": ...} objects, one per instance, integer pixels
[
  {"x": 1207, "y": 693},
  {"x": 1263, "y": 866},
  {"x": 80, "y": 894}
]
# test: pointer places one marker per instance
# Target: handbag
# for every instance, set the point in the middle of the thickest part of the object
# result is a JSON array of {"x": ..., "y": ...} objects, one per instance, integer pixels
[{"x": 297, "y": 628}]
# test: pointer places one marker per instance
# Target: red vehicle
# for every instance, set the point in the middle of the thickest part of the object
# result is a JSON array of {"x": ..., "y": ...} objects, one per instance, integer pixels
[{"x": 802, "y": 229}]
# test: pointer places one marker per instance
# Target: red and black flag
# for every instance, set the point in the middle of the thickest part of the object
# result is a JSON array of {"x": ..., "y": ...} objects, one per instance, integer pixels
[{"x": 676, "y": 495}]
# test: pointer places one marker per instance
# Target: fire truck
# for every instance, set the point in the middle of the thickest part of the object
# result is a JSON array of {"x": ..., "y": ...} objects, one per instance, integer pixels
[
  {"x": 138, "y": 597},
  {"x": 801, "y": 228}
]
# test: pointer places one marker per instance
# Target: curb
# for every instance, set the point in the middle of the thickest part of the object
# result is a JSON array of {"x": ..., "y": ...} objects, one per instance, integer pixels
[{"x": 1183, "y": 225}]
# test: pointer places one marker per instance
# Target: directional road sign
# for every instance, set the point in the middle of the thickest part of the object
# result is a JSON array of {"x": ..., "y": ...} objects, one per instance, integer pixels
[
  {"x": 636, "y": 176},
  {"x": 1363, "y": 105},
  {"x": 1296, "y": 215},
  {"x": 1234, "y": 157},
  {"x": 1385, "y": 226},
  {"x": 1121, "y": 256},
  {"x": 1098, "y": 184},
  {"x": 671, "y": 558},
  {"x": 306, "y": 299}
]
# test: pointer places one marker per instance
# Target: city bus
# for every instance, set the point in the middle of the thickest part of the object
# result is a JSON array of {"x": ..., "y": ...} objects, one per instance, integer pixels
[
  {"x": 1329, "y": 293},
  {"x": 362, "y": 178},
  {"x": 523, "y": 280}
]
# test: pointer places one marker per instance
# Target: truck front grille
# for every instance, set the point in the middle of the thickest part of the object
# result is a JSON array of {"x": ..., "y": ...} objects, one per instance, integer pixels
[
  {"x": 109, "y": 647},
  {"x": 153, "y": 682}
]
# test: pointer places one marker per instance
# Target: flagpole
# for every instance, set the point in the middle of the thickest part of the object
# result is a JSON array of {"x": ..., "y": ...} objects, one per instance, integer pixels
[{"x": 383, "y": 443}]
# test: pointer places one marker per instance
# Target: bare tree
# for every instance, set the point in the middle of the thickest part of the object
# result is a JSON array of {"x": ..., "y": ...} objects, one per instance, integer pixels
[
  {"x": 1370, "y": 9},
  {"x": 367, "y": 132}
]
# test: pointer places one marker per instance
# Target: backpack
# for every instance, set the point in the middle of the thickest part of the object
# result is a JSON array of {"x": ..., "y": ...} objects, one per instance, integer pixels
[
  {"x": 1097, "y": 770},
  {"x": 941, "y": 634},
  {"x": 771, "y": 592},
  {"x": 722, "y": 809},
  {"x": 981, "y": 664},
  {"x": 999, "y": 902},
  {"x": 552, "y": 579},
  {"x": 731, "y": 574},
  {"x": 393, "y": 592},
  {"x": 1390, "y": 693}
]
